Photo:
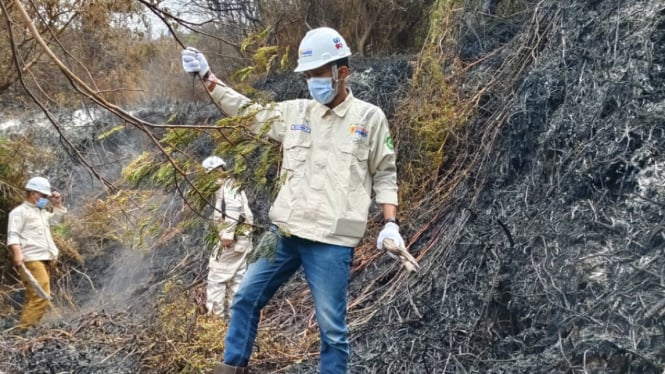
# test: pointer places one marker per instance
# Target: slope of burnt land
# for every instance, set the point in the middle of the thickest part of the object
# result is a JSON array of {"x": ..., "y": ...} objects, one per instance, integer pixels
[{"x": 552, "y": 260}]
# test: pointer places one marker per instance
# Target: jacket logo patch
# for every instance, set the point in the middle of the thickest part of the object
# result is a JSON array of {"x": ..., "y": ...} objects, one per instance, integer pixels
[
  {"x": 359, "y": 133},
  {"x": 389, "y": 143},
  {"x": 301, "y": 127}
]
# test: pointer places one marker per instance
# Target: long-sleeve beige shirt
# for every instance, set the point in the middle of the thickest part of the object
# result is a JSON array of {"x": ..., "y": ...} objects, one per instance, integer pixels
[
  {"x": 30, "y": 227},
  {"x": 236, "y": 204},
  {"x": 333, "y": 160}
]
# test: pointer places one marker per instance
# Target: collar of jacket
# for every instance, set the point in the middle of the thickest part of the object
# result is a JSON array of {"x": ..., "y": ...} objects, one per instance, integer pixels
[
  {"x": 341, "y": 109},
  {"x": 31, "y": 205}
]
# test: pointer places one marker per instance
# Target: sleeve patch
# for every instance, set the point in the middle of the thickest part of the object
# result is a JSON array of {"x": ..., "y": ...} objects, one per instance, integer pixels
[{"x": 389, "y": 143}]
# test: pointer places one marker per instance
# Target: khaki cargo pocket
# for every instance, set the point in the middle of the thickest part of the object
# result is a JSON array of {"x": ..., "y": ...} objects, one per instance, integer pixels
[
  {"x": 355, "y": 156},
  {"x": 296, "y": 150},
  {"x": 350, "y": 227},
  {"x": 293, "y": 171},
  {"x": 243, "y": 244},
  {"x": 295, "y": 159}
]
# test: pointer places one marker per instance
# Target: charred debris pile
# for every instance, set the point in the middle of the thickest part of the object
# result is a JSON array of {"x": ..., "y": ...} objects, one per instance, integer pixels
[{"x": 550, "y": 259}]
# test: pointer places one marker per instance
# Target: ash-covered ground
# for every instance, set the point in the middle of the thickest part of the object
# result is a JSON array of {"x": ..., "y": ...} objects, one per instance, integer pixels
[{"x": 552, "y": 259}]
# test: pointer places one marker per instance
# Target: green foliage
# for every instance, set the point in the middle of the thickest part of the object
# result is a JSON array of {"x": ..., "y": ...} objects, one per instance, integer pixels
[
  {"x": 189, "y": 341},
  {"x": 141, "y": 167},
  {"x": 177, "y": 138},
  {"x": 194, "y": 342},
  {"x": 244, "y": 73},
  {"x": 434, "y": 109},
  {"x": 172, "y": 118},
  {"x": 97, "y": 224},
  {"x": 69, "y": 252},
  {"x": 62, "y": 229},
  {"x": 254, "y": 39},
  {"x": 211, "y": 238},
  {"x": 264, "y": 55},
  {"x": 253, "y": 160},
  {"x": 191, "y": 223},
  {"x": 11, "y": 174},
  {"x": 284, "y": 61},
  {"x": 11, "y": 195},
  {"x": 110, "y": 132},
  {"x": 164, "y": 174},
  {"x": 266, "y": 247},
  {"x": 131, "y": 217}
]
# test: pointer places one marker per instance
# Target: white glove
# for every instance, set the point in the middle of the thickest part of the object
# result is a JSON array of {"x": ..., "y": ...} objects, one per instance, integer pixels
[
  {"x": 390, "y": 231},
  {"x": 391, "y": 240},
  {"x": 194, "y": 61}
]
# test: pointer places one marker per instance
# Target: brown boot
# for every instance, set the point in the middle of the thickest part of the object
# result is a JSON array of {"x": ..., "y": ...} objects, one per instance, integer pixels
[{"x": 223, "y": 368}]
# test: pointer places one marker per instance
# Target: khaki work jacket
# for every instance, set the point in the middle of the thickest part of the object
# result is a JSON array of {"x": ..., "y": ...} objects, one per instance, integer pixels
[
  {"x": 30, "y": 227},
  {"x": 235, "y": 205},
  {"x": 333, "y": 159}
]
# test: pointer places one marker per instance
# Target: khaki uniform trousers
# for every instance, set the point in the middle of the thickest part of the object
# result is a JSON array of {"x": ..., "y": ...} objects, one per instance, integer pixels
[
  {"x": 34, "y": 306},
  {"x": 227, "y": 267}
]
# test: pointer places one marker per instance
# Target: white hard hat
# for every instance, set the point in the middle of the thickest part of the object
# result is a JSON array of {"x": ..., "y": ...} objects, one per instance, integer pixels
[
  {"x": 319, "y": 47},
  {"x": 39, "y": 184},
  {"x": 212, "y": 162}
]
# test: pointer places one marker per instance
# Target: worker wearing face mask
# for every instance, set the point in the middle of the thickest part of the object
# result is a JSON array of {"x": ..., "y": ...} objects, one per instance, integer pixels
[
  {"x": 29, "y": 239},
  {"x": 338, "y": 152},
  {"x": 232, "y": 218}
]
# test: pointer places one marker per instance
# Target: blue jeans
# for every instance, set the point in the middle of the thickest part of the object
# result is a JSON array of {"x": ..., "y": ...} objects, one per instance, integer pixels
[{"x": 327, "y": 270}]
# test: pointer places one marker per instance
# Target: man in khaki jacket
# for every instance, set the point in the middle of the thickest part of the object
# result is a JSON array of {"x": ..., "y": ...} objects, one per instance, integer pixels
[
  {"x": 29, "y": 239},
  {"x": 337, "y": 152},
  {"x": 228, "y": 261}
]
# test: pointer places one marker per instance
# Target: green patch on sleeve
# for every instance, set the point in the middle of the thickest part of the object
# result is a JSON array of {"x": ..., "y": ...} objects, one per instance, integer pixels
[{"x": 389, "y": 143}]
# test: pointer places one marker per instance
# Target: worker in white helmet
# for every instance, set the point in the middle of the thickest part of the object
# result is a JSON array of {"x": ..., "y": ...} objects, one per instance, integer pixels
[
  {"x": 29, "y": 239},
  {"x": 337, "y": 153},
  {"x": 232, "y": 218}
]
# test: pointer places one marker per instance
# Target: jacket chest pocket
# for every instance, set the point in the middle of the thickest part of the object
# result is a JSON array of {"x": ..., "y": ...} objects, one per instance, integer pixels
[
  {"x": 296, "y": 151},
  {"x": 354, "y": 165},
  {"x": 233, "y": 204},
  {"x": 33, "y": 223}
]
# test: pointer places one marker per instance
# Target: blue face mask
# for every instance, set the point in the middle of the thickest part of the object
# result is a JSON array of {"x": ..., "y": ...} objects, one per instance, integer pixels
[
  {"x": 41, "y": 203},
  {"x": 321, "y": 89}
]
